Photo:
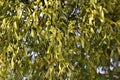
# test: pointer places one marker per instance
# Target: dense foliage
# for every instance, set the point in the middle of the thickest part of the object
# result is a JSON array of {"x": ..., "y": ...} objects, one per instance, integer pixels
[{"x": 59, "y": 39}]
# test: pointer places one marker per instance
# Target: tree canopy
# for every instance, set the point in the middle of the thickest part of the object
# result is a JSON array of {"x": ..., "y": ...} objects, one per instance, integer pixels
[{"x": 59, "y": 39}]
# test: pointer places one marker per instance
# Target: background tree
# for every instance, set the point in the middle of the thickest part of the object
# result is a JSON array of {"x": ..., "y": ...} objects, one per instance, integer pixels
[{"x": 59, "y": 39}]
